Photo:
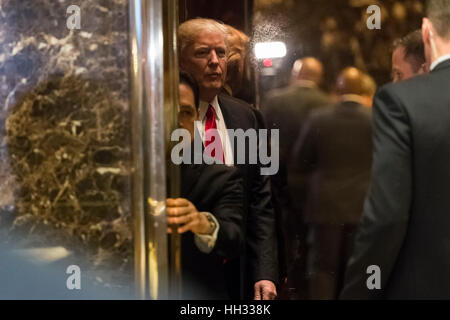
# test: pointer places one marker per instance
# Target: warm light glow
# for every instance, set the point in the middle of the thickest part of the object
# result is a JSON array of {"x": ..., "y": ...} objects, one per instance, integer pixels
[{"x": 265, "y": 50}]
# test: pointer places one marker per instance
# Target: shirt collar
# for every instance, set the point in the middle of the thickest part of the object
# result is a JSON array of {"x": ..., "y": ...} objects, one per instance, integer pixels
[
  {"x": 306, "y": 84},
  {"x": 352, "y": 98},
  {"x": 204, "y": 107},
  {"x": 439, "y": 60}
]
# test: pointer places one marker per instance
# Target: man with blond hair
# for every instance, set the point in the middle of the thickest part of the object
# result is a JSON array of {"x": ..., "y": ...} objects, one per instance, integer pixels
[
  {"x": 203, "y": 52},
  {"x": 237, "y": 60}
]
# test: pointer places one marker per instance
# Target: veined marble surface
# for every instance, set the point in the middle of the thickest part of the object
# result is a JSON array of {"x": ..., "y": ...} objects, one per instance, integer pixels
[{"x": 64, "y": 129}]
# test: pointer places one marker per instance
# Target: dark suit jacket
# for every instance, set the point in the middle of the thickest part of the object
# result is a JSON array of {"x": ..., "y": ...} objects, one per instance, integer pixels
[
  {"x": 335, "y": 151},
  {"x": 216, "y": 189},
  {"x": 406, "y": 220},
  {"x": 277, "y": 203},
  {"x": 286, "y": 110},
  {"x": 259, "y": 261}
]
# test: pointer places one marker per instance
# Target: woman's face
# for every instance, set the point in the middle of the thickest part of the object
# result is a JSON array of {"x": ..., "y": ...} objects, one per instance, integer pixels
[{"x": 188, "y": 111}]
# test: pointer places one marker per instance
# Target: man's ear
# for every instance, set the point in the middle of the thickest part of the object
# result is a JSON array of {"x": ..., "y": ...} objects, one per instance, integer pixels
[
  {"x": 423, "y": 69},
  {"x": 425, "y": 31}
]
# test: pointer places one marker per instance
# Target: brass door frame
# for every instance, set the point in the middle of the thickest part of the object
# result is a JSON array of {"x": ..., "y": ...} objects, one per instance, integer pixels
[{"x": 154, "y": 108}]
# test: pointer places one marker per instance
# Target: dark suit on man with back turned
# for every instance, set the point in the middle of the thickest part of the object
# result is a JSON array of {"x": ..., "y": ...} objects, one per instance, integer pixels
[
  {"x": 334, "y": 153},
  {"x": 335, "y": 150},
  {"x": 286, "y": 110},
  {"x": 406, "y": 220}
]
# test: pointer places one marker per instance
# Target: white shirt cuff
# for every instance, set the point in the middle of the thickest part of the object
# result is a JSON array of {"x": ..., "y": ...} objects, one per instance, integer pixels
[{"x": 206, "y": 242}]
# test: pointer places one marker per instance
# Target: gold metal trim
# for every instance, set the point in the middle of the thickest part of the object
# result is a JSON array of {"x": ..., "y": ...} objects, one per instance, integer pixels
[
  {"x": 171, "y": 80},
  {"x": 136, "y": 107}
]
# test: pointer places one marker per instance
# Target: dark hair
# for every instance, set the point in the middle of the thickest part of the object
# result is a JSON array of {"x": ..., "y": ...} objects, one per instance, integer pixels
[
  {"x": 187, "y": 79},
  {"x": 438, "y": 11},
  {"x": 414, "y": 48}
]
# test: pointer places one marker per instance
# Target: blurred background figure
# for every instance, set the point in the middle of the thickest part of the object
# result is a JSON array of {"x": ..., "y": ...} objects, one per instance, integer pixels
[
  {"x": 350, "y": 85},
  {"x": 334, "y": 154},
  {"x": 237, "y": 65},
  {"x": 408, "y": 57},
  {"x": 369, "y": 87},
  {"x": 286, "y": 110}
]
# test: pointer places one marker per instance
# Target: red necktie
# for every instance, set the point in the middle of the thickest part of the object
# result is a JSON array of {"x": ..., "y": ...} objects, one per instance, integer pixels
[{"x": 211, "y": 138}]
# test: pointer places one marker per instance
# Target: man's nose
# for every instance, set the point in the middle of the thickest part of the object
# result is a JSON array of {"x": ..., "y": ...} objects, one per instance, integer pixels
[{"x": 213, "y": 58}]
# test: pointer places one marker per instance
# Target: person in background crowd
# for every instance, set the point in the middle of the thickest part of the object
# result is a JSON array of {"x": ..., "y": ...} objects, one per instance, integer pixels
[
  {"x": 369, "y": 87},
  {"x": 203, "y": 47},
  {"x": 286, "y": 110},
  {"x": 334, "y": 153},
  {"x": 239, "y": 83},
  {"x": 237, "y": 60},
  {"x": 401, "y": 249},
  {"x": 211, "y": 208},
  {"x": 408, "y": 57}
]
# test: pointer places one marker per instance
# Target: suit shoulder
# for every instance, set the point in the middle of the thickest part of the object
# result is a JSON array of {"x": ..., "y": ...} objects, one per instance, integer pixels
[
  {"x": 366, "y": 113},
  {"x": 406, "y": 89},
  {"x": 227, "y": 100},
  {"x": 321, "y": 95},
  {"x": 279, "y": 93},
  {"x": 320, "y": 113},
  {"x": 238, "y": 107}
]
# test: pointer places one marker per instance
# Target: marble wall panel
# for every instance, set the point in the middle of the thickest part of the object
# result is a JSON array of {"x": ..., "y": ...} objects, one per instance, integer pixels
[{"x": 65, "y": 131}]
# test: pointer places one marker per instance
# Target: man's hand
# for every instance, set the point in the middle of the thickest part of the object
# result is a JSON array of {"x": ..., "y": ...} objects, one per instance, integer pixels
[
  {"x": 184, "y": 216},
  {"x": 265, "y": 290}
]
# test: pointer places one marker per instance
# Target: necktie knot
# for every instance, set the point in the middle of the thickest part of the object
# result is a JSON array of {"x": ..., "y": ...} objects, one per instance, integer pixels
[
  {"x": 210, "y": 113},
  {"x": 213, "y": 142}
]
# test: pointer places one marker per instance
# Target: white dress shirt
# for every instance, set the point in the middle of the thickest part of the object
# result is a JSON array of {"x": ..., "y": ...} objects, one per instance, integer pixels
[
  {"x": 352, "y": 98},
  {"x": 439, "y": 60},
  {"x": 221, "y": 128},
  {"x": 206, "y": 242}
]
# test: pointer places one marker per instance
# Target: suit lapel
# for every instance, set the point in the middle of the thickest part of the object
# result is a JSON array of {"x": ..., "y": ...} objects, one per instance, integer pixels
[{"x": 231, "y": 121}]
